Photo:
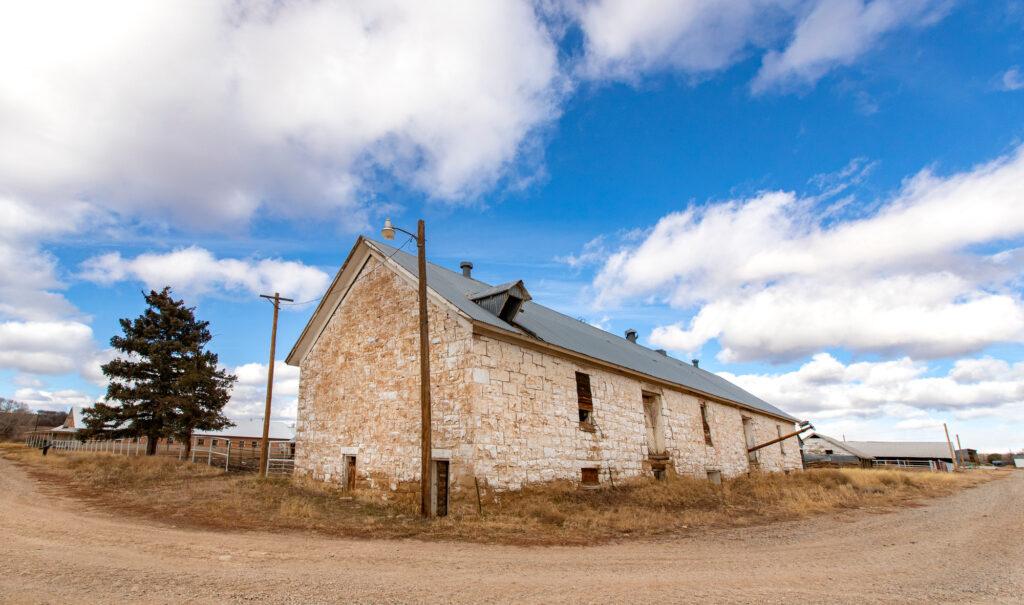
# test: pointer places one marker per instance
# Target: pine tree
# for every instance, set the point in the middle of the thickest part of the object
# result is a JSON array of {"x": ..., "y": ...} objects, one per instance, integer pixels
[{"x": 165, "y": 384}]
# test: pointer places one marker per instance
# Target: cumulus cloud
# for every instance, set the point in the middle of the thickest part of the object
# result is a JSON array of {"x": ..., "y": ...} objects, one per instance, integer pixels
[
  {"x": 61, "y": 399},
  {"x": 45, "y": 347},
  {"x": 625, "y": 39},
  {"x": 196, "y": 271},
  {"x": 209, "y": 110},
  {"x": 775, "y": 277},
  {"x": 826, "y": 388},
  {"x": 249, "y": 396}
]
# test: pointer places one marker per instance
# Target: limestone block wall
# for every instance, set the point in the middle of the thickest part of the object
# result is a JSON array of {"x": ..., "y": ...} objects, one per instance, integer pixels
[
  {"x": 359, "y": 388},
  {"x": 528, "y": 430}
]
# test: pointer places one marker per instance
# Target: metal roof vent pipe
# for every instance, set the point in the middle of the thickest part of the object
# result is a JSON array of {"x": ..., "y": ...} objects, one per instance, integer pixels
[
  {"x": 695, "y": 362},
  {"x": 631, "y": 335},
  {"x": 467, "y": 269},
  {"x": 661, "y": 352}
]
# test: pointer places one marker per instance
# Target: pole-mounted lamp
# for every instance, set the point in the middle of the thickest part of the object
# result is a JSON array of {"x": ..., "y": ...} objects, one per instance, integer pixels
[{"x": 388, "y": 233}]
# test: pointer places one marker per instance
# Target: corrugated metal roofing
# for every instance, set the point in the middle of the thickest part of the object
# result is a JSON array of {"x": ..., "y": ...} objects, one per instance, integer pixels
[
  {"x": 843, "y": 445},
  {"x": 561, "y": 330},
  {"x": 252, "y": 428},
  {"x": 902, "y": 449}
]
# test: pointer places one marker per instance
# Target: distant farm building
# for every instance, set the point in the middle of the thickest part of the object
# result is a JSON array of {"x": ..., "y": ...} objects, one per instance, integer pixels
[
  {"x": 246, "y": 434},
  {"x": 822, "y": 450}
]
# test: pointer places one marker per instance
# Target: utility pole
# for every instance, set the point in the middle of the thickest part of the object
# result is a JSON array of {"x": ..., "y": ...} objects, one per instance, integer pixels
[
  {"x": 952, "y": 454},
  {"x": 265, "y": 443},
  {"x": 426, "y": 449},
  {"x": 426, "y": 453}
]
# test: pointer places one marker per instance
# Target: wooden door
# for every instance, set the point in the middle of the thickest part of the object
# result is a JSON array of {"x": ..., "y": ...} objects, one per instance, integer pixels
[
  {"x": 441, "y": 491},
  {"x": 350, "y": 472}
]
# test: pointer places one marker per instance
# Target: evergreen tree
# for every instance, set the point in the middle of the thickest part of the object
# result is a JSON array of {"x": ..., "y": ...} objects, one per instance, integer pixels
[{"x": 165, "y": 384}]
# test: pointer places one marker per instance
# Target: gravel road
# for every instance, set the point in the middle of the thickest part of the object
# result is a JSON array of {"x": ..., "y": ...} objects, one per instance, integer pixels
[{"x": 964, "y": 548}]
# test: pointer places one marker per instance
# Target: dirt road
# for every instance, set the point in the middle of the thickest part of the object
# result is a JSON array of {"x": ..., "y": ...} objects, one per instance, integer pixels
[{"x": 964, "y": 548}]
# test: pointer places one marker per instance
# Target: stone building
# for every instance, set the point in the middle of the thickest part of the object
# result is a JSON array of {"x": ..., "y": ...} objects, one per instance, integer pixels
[{"x": 520, "y": 392}]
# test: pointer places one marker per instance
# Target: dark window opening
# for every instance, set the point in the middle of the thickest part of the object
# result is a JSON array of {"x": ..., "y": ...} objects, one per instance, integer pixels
[
  {"x": 704, "y": 420},
  {"x": 659, "y": 472},
  {"x": 255, "y": 443},
  {"x": 200, "y": 441},
  {"x": 585, "y": 401},
  {"x": 589, "y": 476},
  {"x": 828, "y": 452}
]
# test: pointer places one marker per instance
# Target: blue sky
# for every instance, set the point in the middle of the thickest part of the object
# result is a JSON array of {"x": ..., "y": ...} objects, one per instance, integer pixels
[{"x": 821, "y": 200}]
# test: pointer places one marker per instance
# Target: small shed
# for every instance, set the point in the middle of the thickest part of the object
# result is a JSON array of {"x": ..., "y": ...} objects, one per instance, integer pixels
[{"x": 824, "y": 451}]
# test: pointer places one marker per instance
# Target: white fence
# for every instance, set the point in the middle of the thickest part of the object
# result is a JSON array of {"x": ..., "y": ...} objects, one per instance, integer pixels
[
  {"x": 281, "y": 458},
  {"x": 914, "y": 465}
]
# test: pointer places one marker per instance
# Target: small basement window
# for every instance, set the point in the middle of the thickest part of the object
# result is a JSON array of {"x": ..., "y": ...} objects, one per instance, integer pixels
[
  {"x": 585, "y": 401},
  {"x": 715, "y": 477},
  {"x": 589, "y": 476},
  {"x": 704, "y": 421}
]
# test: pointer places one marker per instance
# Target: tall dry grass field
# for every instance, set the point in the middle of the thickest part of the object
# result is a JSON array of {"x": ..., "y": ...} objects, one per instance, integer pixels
[{"x": 558, "y": 513}]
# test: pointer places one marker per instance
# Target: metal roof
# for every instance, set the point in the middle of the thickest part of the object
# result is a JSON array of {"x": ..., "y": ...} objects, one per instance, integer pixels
[
  {"x": 938, "y": 450},
  {"x": 843, "y": 445},
  {"x": 552, "y": 327},
  {"x": 252, "y": 428}
]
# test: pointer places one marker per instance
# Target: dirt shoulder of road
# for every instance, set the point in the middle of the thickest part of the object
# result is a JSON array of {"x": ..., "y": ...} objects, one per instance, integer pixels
[
  {"x": 198, "y": 496},
  {"x": 57, "y": 549}
]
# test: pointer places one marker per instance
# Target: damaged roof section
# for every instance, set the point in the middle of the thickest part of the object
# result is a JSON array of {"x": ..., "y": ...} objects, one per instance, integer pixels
[{"x": 537, "y": 321}]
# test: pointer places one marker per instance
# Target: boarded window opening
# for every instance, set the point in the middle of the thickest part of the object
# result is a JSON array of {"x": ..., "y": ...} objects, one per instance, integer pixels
[
  {"x": 782, "y": 444},
  {"x": 589, "y": 476},
  {"x": 653, "y": 425},
  {"x": 751, "y": 441},
  {"x": 704, "y": 421},
  {"x": 585, "y": 402}
]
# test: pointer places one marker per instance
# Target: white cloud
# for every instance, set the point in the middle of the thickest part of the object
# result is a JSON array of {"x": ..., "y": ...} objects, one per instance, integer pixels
[
  {"x": 828, "y": 389},
  {"x": 197, "y": 271},
  {"x": 1012, "y": 79},
  {"x": 249, "y": 396},
  {"x": 838, "y": 32},
  {"x": 45, "y": 347},
  {"x": 774, "y": 277},
  {"x": 60, "y": 399},
  {"x": 209, "y": 110},
  {"x": 626, "y": 38},
  {"x": 29, "y": 280}
]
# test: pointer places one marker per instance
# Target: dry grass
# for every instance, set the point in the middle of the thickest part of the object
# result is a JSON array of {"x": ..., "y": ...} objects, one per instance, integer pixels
[{"x": 196, "y": 495}]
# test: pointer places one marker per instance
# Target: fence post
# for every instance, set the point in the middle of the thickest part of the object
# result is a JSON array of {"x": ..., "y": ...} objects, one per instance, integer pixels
[
  {"x": 227, "y": 457},
  {"x": 193, "y": 449},
  {"x": 209, "y": 453}
]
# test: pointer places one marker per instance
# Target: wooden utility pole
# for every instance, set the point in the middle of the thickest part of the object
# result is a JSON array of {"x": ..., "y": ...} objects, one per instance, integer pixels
[
  {"x": 426, "y": 450},
  {"x": 265, "y": 442},
  {"x": 952, "y": 454}
]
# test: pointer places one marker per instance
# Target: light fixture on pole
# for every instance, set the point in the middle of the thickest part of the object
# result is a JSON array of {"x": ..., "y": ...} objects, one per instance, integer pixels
[{"x": 388, "y": 233}]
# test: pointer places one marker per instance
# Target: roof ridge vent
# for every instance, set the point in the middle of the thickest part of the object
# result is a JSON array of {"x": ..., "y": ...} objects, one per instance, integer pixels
[{"x": 504, "y": 301}]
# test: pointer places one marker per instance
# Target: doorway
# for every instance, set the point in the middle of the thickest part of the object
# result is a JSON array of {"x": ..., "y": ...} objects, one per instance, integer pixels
[
  {"x": 350, "y": 472},
  {"x": 440, "y": 488},
  {"x": 654, "y": 425}
]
